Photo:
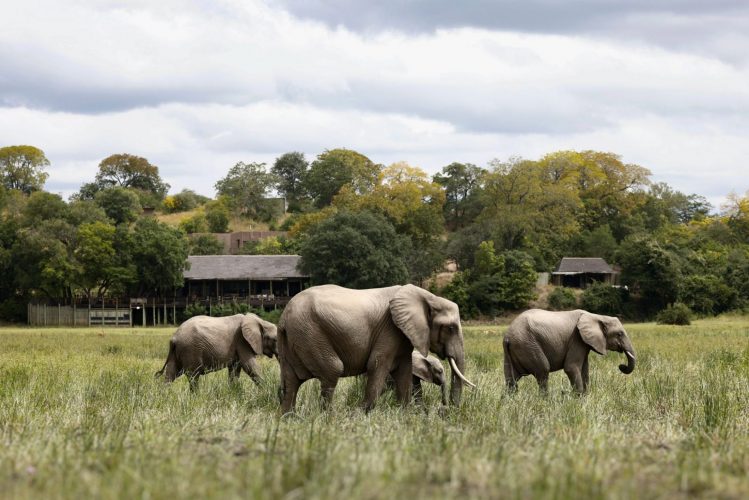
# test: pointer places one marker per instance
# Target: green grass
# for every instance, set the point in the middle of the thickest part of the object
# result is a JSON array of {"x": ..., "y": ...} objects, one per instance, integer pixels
[{"x": 81, "y": 415}]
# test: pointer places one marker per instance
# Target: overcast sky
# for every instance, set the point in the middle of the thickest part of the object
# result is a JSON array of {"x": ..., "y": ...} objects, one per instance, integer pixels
[{"x": 197, "y": 85}]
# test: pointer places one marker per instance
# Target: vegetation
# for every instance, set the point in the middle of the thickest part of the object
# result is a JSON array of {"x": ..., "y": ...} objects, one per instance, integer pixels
[
  {"x": 501, "y": 223},
  {"x": 562, "y": 299},
  {"x": 82, "y": 416},
  {"x": 674, "y": 314}
]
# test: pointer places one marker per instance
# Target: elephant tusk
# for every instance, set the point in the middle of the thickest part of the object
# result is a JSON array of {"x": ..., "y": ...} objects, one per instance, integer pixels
[
  {"x": 460, "y": 375},
  {"x": 630, "y": 354}
]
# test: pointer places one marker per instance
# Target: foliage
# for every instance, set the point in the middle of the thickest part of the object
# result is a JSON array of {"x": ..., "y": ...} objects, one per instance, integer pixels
[
  {"x": 355, "y": 250},
  {"x": 650, "y": 271},
  {"x": 41, "y": 206},
  {"x": 159, "y": 256},
  {"x": 462, "y": 183},
  {"x": 597, "y": 242},
  {"x": 120, "y": 204},
  {"x": 22, "y": 168},
  {"x": 185, "y": 200},
  {"x": 206, "y": 244},
  {"x": 271, "y": 245},
  {"x": 562, "y": 299},
  {"x": 336, "y": 168},
  {"x": 674, "y": 314},
  {"x": 501, "y": 282},
  {"x": 602, "y": 298},
  {"x": 706, "y": 294},
  {"x": 217, "y": 217},
  {"x": 290, "y": 170},
  {"x": 195, "y": 224},
  {"x": 132, "y": 172},
  {"x": 99, "y": 266},
  {"x": 246, "y": 187},
  {"x": 458, "y": 291}
]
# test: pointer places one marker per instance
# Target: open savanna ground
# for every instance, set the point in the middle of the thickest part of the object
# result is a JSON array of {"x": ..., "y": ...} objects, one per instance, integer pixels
[{"x": 81, "y": 415}]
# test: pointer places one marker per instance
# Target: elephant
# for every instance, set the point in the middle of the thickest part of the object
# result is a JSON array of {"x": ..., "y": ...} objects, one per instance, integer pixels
[
  {"x": 538, "y": 342},
  {"x": 427, "y": 369},
  {"x": 327, "y": 332},
  {"x": 203, "y": 344}
]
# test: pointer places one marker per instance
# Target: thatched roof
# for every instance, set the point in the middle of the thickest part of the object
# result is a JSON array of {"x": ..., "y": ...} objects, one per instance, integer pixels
[
  {"x": 580, "y": 265},
  {"x": 243, "y": 267}
]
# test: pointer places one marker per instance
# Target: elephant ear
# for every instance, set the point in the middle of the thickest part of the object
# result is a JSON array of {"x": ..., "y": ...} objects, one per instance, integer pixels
[
  {"x": 251, "y": 333},
  {"x": 411, "y": 314},
  {"x": 590, "y": 330},
  {"x": 420, "y": 367}
]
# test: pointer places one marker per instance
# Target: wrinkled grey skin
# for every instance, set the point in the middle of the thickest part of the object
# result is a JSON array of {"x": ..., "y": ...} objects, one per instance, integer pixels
[
  {"x": 327, "y": 332},
  {"x": 538, "y": 342},
  {"x": 203, "y": 344},
  {"x": 428, "y": 369}
]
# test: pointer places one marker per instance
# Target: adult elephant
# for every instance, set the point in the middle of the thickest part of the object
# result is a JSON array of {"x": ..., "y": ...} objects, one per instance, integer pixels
[
  {"x": 538, "y": 342},
  {"x": 327, "y": 332},
  {"x": 204, "y": 344}
]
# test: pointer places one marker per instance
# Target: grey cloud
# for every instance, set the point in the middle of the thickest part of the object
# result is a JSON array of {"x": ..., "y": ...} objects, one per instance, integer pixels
[{"x": 695, "y": 25}]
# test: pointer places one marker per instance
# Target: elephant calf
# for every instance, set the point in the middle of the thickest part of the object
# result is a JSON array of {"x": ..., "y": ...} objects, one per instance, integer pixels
[
  {"x": 538, "y": 342},
  {"x": 203, "y": 344},
  {"x": 427, "y": 369}
]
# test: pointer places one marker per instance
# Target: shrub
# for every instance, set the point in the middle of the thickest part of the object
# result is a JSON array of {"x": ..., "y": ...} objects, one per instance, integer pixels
[
  {"x": 195, "y": 224},
  {"x": 674, "y": 314},
  {"x": 562, "y": 299},
  {"x": 217, "y": 218},
  {"x": 602, "y": 298}
]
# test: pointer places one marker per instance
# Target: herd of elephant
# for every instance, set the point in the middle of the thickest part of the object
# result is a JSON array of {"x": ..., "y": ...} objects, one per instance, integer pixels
[{"x": 328, "y": 332}]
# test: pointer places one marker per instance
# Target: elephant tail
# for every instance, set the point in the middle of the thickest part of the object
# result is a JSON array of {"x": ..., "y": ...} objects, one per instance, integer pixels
[
  {"x": 510, "y": 372},
  {"x": 170, "y": 365}
]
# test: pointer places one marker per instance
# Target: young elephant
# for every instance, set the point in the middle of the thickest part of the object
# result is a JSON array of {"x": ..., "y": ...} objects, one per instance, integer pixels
[
  {"x": 538, "y": 342},
  {"x": 203, "y": 344},
  {"x": 426, "y": 368}
]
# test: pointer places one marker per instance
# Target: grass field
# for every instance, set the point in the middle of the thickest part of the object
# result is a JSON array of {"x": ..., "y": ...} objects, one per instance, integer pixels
[{"x": 82, "y": 416}]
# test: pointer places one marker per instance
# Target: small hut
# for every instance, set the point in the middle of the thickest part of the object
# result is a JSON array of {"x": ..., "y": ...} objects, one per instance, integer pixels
[{"x": 580, "y": 272}]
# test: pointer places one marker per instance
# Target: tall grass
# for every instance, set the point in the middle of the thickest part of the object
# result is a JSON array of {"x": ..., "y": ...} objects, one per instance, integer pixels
[{"x": 81, "y": 415}]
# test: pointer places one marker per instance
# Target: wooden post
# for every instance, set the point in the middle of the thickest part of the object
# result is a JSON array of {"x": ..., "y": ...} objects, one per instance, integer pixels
[
  {"x": 75, "y": 317},
  {"x": 153, "y": 310},
  {"x": 210, "y": 309},
  {"x": 143, "y": 316},
  {"x": 45, "y": 314},
  {"x": 102, "y": 312},
  {"x": 164, "y": 318},
  {"x": 116, "y": 313},
  {"x": 89, "y": 311},
  {"x": 130, "y": 314}
]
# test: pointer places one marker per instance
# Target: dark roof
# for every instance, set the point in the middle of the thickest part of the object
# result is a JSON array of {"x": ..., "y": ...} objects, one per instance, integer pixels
[
  {"x": 578, "y": 265},
  {"x": 243, "y": 267}
]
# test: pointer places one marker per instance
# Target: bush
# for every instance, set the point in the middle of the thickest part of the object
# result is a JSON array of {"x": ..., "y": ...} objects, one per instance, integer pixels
[
  {"x": 602, "y": 298},
  {"x": 217, "y": 218},
  {"x": 195, "y": 224},
  {"x": 562, "y": 299},
  {"x": 674, "y": 314}
]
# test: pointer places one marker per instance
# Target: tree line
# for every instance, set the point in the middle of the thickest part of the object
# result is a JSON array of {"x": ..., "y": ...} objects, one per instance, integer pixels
[{"x": 361, "y": 224}]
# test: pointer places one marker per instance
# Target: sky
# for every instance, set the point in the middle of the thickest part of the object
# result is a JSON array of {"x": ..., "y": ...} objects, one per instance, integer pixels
[{"x": 195, "y": 86}]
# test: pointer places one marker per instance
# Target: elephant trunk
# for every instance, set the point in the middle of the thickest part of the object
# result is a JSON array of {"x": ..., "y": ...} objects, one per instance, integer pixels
[
  {"x": 630, "y": 353},
  {"x": 457, "y": 366}
]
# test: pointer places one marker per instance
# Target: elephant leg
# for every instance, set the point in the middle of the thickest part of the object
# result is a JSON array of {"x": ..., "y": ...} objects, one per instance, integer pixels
[
  {"x": 576, "y": 378},
  {"x": 417, "y": 390},
  {"x": 289, "y": 387},
  {"x": 251, "y": 368},
  {"x": 402, "y": 376},
  {"x": 574, "y": 365},
  {"x": 511, "y": 375},
  {"x": 327, "y": 389},
  {"x": 375, "y": 383},
  {"x": 543, "y": 382},
  {"x": 194, "y": 378},
  {"x": 234, "y": 370},
  {"x": 584, "y": 373}
]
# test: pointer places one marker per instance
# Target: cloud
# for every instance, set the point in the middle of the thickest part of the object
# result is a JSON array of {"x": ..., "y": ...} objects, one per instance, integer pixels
[{"x": 196, "y": 86}]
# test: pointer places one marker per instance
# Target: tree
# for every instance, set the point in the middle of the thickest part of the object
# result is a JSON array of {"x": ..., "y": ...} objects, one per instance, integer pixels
[
  {"x": 355, "y": 250},
  {"x": 290, "y": 169},
  {"x": 413, "y": 204},
  {"x": 336, "y": 168},
  {"x": 265, "y": 246},
  {"x": 185, "y": 200},
  {"x": 159, "y": 253},
  {"x": 22, "y": 168},
  {"x": 462, "y": 183},
  {"x": 120, "y": 204},
  {"x": 246, "y": 187},
  {"x": 100, "y": 267},
  {"x": 133, "y": 172},
  {"x": 41, "y": 206},
  {"x": 650, "y": 271},
  {"x": 195, "y": 224},
  {"x": 501, "y": 282},
  {"x": 206, "y": 244},
  {"x": 217, "y": 217}
]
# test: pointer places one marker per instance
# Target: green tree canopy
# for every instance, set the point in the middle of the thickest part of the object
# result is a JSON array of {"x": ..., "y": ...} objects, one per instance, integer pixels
[
  {"x": 290, "y": 170},
  {"x": 206, "y": 244},
  {"x": 120, "y": 204},
  {"x": 336, "y": 168},
  {"x": 246, "y": 187},
  {"x": 355, "y": 250},
  {"x": 159, "y": 253},
  {"x": 462, "y": 183},
  {"x": 130, "y": 171},
  {"x": 22, "y": 168}
]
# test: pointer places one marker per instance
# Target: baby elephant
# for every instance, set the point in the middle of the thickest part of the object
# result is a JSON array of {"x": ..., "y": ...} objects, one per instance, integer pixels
[
  {"x": 538, "y": 342},
  {"x": 203, "y": 344},
  {"x": 428, "y": 369}
]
